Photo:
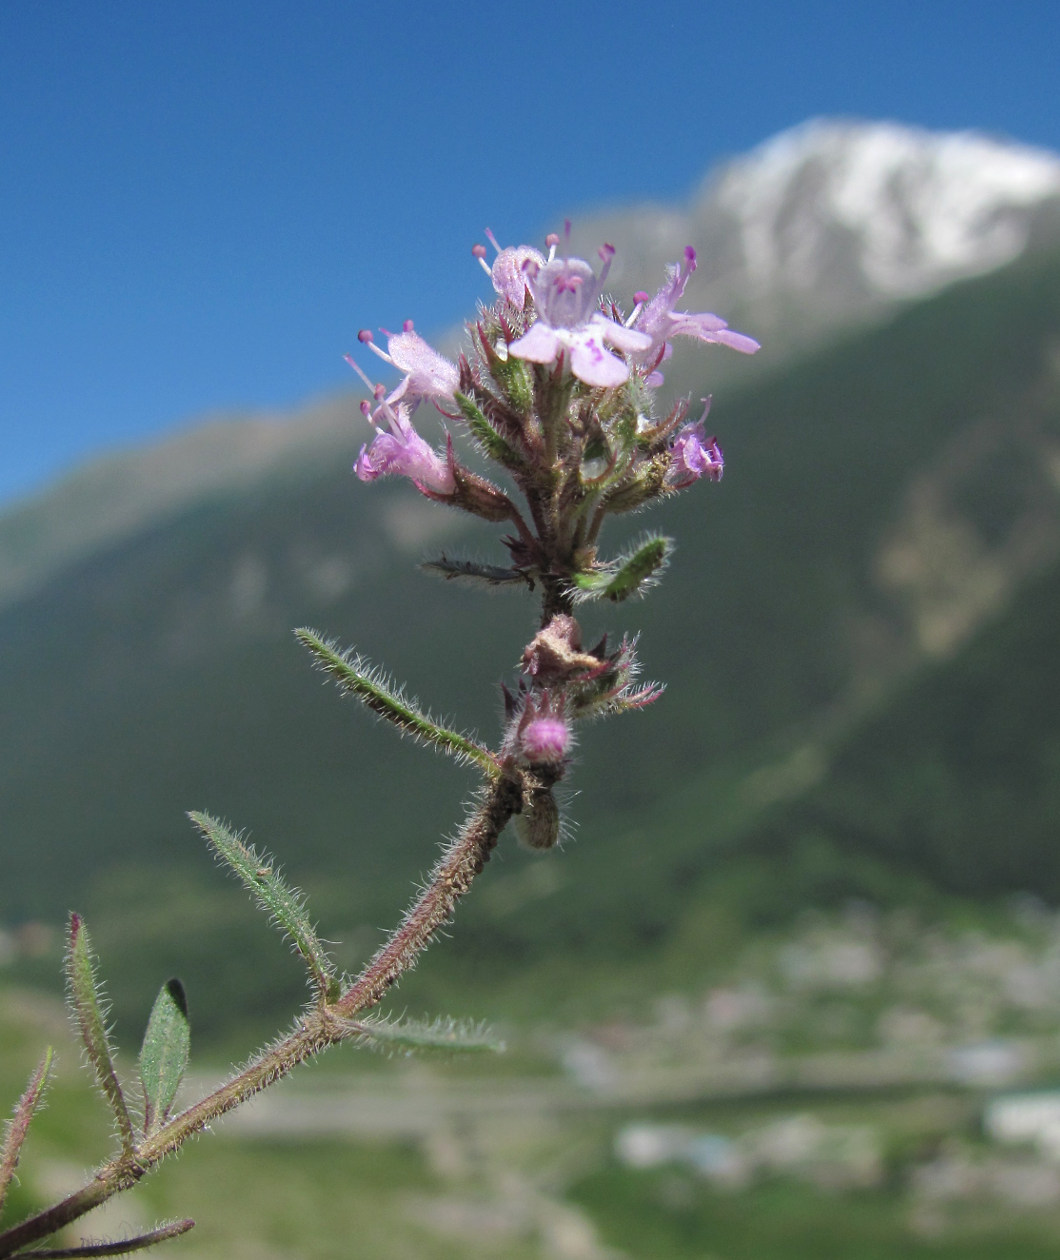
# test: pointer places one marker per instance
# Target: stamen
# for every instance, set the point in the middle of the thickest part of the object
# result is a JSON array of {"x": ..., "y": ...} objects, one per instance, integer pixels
[
  {"x": 358, "y": 369},
  {"x": 606, "y": 253},
  {"x": 640, "y": 297}
]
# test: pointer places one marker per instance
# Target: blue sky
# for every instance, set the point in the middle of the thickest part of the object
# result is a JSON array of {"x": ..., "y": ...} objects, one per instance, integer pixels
[{"x": 201, "y": 201}]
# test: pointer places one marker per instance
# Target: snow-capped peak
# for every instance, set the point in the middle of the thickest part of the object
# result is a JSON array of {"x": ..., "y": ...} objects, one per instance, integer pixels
[{"x": 910, "y": 210}]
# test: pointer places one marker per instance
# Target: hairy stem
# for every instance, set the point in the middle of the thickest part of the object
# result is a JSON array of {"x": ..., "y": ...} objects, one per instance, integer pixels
[{"x": 323, "y": 1026}]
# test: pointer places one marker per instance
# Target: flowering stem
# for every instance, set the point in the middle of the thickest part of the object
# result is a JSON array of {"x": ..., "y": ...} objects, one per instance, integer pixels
[
  {"x": 553, "y": 386},
  {"x": 558, "y": 600},
  {"x": 320, "y": 1027}
]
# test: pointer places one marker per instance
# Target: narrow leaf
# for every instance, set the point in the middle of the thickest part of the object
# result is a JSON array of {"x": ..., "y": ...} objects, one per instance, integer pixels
[
  {"x": 19, "y": 1123},
  {"x": 630, "y": 574},
  {"x": 118, "y": 1248},
  {"x": 493, "y": 444},
  {"x": 472, "y": 571},
  {"x": 87, "y": 1004},
  {"x": 406, "y": 1036},
  {"x": 164, "y": 1054},
  {"x": 285, "y": 905},
  {"x": 357, "y": 678},
  {"x": 513, "y": 376}
]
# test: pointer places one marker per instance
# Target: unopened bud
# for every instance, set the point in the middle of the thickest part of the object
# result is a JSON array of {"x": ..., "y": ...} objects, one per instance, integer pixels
[
  {"x": 537, "y": 826},
  {"x": 545, "y": 738},
  {"x": 476, "y": 495}
]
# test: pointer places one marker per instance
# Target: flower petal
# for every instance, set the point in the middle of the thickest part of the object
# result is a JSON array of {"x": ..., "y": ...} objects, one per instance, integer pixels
[
  {"x": 539, "y": 344},
  {"x": 593, "y": 363}
]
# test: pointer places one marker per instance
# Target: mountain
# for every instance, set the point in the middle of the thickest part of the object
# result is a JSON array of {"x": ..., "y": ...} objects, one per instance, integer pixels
[
  {"x": 115, "y": 496},
  {"x": 834, "y": 223},
  {"x": 827, "y": 227},
  {"x": 856, "y": 634}
]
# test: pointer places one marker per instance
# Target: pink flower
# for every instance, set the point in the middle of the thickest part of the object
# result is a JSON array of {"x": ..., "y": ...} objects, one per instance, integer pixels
[
  {"x": 544, "y": 733},
  {"x": 508, "y": 274},
  {"x": 545, "y": 739},
  {"x": 566, "y": 293},
  {"x": 658, "y": 319},
  {"x": 428, "y": 374},
  {"x": 694, "y": 455},
  {"x": 400, "y": 449}
]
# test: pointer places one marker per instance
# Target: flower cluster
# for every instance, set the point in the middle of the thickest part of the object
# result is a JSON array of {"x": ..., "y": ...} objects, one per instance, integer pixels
[
  {"x": 556, "y": 388},
  {"x": 550, "y": 312}
]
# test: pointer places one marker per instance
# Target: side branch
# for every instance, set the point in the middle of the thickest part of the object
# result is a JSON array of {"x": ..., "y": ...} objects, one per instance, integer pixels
[
  {"x": 321, "y": 1027},
  {"x": 357, "y": 678}
]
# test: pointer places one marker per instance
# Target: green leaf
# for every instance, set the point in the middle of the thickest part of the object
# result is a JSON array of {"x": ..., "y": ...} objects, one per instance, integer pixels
[
  {"x": 164, "y": 1054},
  {"x": 630, "y": 574},
  {"x": 357, "y": 678},
  {"x": 512, "y": 375},
  {"x": 498, "y": 448},
  {"x": 20, "y": 1121},
  {"x": 286, "y": 906},
  {"x": 406, "y": 1036},
  {"x": 87, "y": 1003}
]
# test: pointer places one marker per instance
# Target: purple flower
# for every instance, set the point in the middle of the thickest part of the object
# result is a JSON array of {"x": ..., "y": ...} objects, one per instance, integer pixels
[
  {"x": 508, "y": 274},
  {"x": 566, "y": 293},
  {"x": 401, "y": 450},
  {"x": 694, "y": 455},
  {"x": 544, "y": 733},
  {"x": 545, "y": 739},
  {"x": 658, "y": 319},
  {"x": 428, "y": 374}
]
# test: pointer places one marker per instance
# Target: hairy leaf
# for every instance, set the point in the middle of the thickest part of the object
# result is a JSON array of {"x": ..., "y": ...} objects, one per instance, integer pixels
[
  {"x": 285, "y": 905},
  {"x": 86, "y": 1000},
  {"x": 472, "y": 571},
  {"x": 164, "y": 1054},
  {"x": 405, "y": 1036},
  {"x": 19, "y": 1123},
  {"x": 493, "y": 443},
  {"x": 630, "y": 574},
  {"x": 357, "y": 678}
]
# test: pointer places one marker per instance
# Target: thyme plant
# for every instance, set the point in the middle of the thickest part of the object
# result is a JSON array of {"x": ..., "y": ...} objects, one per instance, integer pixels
[{"x": 556, "y": 387}]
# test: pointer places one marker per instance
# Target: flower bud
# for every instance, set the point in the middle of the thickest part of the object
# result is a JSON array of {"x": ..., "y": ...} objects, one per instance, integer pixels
[
  {"x": 537, "y": 826},
  {"x": 544, "y": 739}
]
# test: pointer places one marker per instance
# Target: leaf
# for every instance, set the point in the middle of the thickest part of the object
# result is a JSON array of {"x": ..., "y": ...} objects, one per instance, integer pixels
[
  {"x": 630, "y": 574},
  {"x": 118, "y": 1248},
  {"x": 86, "y": 999},
  {"x": 512, "y": 375},
  {"x": 494, "y": 445},
  {"x": 357, "y": 678},
  {"x": 471, "y": 571},
  {"x": 285, "y": 905},
  {"x": 164, "y": 1053},
  {"x": 20, "y": 1121},
  {"x": 409, "y": 1035}
]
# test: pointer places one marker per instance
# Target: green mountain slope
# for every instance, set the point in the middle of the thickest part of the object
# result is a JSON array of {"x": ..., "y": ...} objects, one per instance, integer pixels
[
  {"x": 958, "y": 777},
  {"x": 888, "y": 507}
]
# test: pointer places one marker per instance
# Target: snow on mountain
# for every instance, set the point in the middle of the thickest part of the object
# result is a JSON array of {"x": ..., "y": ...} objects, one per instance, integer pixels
[
  {"x": 922, "y": 208},
  {"x": 819, "y": 230},
  {"x": 829, "y": 225}
]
